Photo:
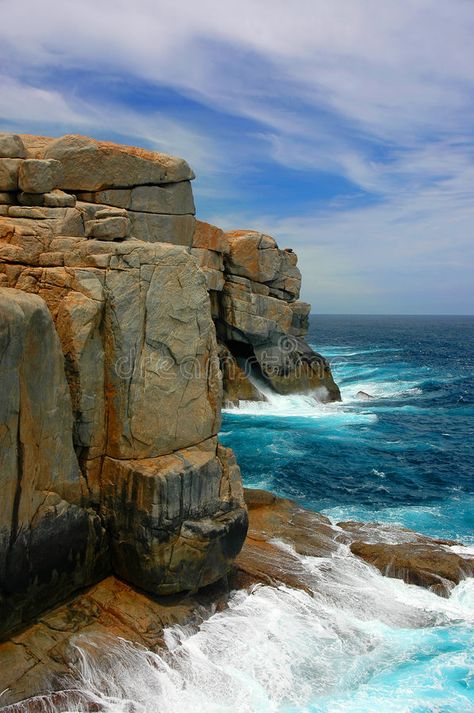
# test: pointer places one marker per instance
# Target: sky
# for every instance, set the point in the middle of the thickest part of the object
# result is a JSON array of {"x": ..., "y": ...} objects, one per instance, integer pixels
[{"x": 343, "y": 128}]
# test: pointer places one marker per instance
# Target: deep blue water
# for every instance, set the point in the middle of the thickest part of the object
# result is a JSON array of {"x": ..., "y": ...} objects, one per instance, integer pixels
[{"x": 405, "y": 456}]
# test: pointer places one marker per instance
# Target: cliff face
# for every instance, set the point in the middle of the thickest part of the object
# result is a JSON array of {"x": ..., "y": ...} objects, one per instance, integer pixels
[
  {"x": 255, "y": 289},
  {"x": 110, "y": 373}
]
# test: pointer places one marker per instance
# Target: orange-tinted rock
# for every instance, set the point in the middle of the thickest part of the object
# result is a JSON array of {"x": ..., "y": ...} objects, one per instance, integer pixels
[
  {"x": 210, "y": 237},
  {"x": 425, "y": 563}
]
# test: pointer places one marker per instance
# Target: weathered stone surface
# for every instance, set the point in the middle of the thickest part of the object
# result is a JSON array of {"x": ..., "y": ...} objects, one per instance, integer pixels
[
  {"x": 253, "y": 255},
  {"x": 9, "y": 168},
  {"x": 210, "y": 237},
  {"x": 212, "y": 264},
  {"x": 253, "y": 318},
  {"x": 178, "y": 521},
  {"x": 154, "y": 228},
  {"x": 90, "y": 165},
  {"x": 146, "y": 327},
  {"x": 59, "y": 199},
  {"x": 257, "y": 257},
  {"x": 11, "y": 146},
  {"x": 171, "y": 198},
  {"x": 49, "y": 544},
  {"x": 208, "y": 259},
  {"x": 39, "y": 176},
  {"x": 426, "y": 563},
  {"x": 110, "y": 228},
  {"x": 27, "y": 232},
  {"x": 214, "y": 280}
]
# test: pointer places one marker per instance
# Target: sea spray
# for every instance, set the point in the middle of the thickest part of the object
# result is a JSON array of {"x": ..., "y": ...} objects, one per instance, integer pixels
[{"x": 362, "y": 642}]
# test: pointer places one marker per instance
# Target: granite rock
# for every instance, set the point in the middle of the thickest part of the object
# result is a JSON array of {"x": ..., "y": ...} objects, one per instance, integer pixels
[
  {"x": 49, "y": 543},
  {"x": 11, "y": 146},
  {"x": 39, "y": 176},
  {"x": 90, "y": 165}
]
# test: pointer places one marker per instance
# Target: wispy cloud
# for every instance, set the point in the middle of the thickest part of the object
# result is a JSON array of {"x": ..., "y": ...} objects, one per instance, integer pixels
[{"x": 378, "y": 95}]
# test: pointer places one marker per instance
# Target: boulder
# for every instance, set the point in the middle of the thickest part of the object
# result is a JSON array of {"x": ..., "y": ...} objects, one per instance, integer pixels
[
  {"x": 11, "y": 146},
  {"x": 209, "y": 237},
  {"x": 291, "y": 366},
  {"x": 39, "y": 176},
  {"x": 53, "y": 199},
  {"x": 90, "y": 165},
  {"x": 252, "y": 318},
  {"x": 109, "y": 228},
  {"x": 155, "y": 228},
  {"x": 171, "y": 198},
  {"x": 49, "y": 544},
  {"x": 300, "y": 320},
  {"x": 212, "y": 265},
  {"x": 426, "y": 563},
  {"x": 253, "y": 255},
  {"x": 177, "y": 522},
  {"x": 9, "y": 168},
  {"x": 59, "y": 199}
]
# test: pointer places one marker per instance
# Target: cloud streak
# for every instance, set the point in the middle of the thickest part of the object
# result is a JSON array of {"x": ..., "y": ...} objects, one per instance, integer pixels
[{"x": 378, "y": 96}]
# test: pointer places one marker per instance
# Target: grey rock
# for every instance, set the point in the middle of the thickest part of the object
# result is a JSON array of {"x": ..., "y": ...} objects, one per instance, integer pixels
[
  {"x": 154, "y": 228},
  {"x": 171, "y": 198},
  {"x": 59, "y": 199},
  {"x": 9, "y": 168},
  {"x": 11, "y": 146},
  {"x": 39, "y": 176},
  {"x": 113, "y": 228}
]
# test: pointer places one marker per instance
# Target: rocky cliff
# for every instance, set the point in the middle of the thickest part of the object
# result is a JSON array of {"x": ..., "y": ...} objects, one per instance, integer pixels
[{"x": 119, "y": 315}]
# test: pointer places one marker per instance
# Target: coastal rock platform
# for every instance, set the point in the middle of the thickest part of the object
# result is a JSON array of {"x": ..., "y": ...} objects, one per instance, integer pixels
[{"x": 42, "y": 658}]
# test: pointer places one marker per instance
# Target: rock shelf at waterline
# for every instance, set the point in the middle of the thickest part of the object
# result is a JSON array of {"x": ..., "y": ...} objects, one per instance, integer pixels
[{"x": 282, "y": 538}]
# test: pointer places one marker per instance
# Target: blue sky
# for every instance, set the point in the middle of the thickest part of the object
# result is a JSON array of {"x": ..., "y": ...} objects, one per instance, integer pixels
[{"x": 344, "y": 128}]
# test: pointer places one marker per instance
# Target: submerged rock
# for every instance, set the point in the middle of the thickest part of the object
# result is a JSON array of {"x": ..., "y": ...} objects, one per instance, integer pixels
[{"x": 364, "y": 396}]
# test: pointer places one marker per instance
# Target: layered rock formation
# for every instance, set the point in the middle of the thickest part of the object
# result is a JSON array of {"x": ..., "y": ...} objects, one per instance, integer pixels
[
  {"x": 259, "y": 318},
  {"x": 111, "y": 377},
  {"x": 121, "y": 314}
]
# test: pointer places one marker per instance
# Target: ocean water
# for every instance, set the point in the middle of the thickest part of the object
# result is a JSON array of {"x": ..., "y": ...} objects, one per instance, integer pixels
[
  {"x": 362, "y": 643},
  {"x": 405, "y": 456}
]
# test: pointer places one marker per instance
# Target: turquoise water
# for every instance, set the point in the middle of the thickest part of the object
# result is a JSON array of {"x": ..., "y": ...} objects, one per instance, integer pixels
[{"x": 363, "y": 643}]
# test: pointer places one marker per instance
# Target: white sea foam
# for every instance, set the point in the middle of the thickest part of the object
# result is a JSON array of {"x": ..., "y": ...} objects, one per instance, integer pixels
[
  {"x": 298, "y": 406},
  {"x": 281, "y": 650}
]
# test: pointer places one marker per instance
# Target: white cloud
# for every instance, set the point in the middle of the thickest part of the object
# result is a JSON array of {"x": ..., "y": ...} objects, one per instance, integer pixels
[{"x": 376, "y": 92}]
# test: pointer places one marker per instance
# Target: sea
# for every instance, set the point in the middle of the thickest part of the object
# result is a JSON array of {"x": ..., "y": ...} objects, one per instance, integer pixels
[{"x": 363, "y": 643}]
